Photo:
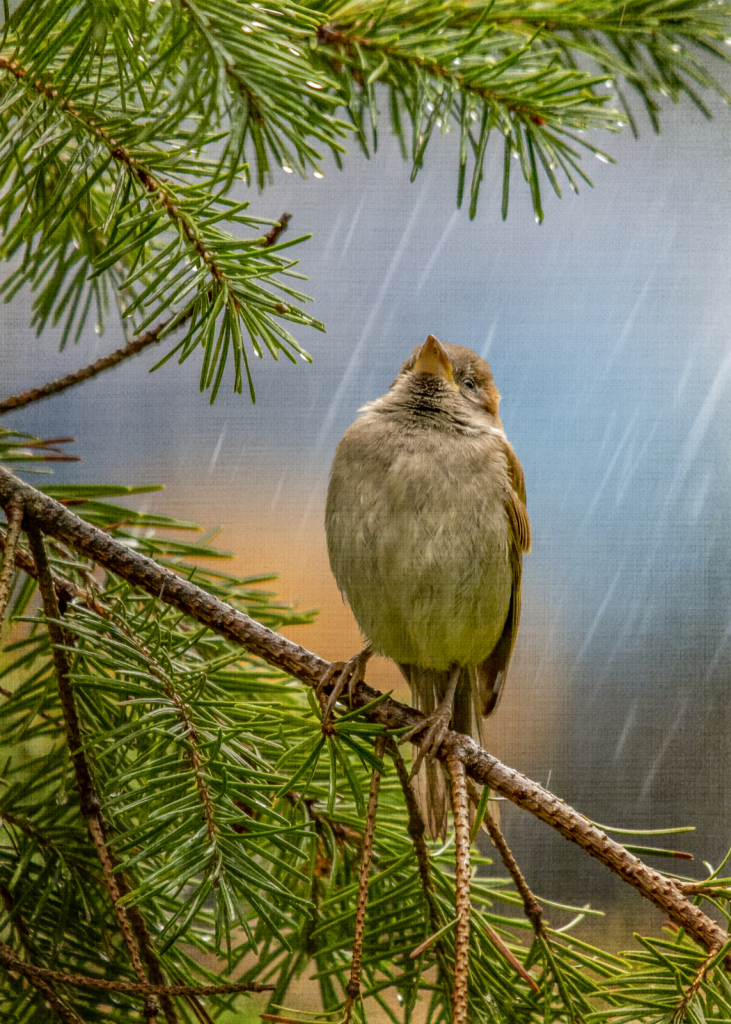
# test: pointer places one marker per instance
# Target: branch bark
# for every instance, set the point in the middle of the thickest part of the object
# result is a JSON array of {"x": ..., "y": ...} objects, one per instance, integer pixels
[
  {"x": 460, "y": 812},
  {"x": 52, "y": 518},
  {"x": 15, "y": 520}
]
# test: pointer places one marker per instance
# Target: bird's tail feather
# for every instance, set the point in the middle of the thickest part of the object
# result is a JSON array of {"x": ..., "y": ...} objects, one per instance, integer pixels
[{"x": 428, "y": 687}]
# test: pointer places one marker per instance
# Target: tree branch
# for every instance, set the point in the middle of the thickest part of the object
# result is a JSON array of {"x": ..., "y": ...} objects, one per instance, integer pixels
[
  {"x": 15, "y": 520},
  {"x": 53, "y": 387},
  {"x": 483, "y": 768},
  {"x": 13, "y": 963}
]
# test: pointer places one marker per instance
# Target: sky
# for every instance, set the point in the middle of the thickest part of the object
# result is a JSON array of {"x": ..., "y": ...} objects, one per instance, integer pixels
[{"x": 607, "y": 329}]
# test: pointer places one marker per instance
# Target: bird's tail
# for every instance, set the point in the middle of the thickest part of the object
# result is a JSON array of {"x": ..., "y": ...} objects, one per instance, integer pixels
[{"x": 428, "y": 687}]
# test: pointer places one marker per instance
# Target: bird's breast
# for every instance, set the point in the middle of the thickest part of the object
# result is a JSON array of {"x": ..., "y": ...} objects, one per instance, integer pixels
[{"x": 418, "y": 540}]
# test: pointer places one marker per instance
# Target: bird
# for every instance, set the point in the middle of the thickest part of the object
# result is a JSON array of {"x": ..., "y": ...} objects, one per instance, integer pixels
[{"x": 426, "y": 526}]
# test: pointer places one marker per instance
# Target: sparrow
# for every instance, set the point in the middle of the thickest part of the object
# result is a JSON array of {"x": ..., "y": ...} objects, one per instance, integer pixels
[{"x": 426, "y": 527}]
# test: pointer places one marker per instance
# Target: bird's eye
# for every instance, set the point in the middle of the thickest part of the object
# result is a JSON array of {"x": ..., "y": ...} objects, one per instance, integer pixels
[{"x": 469, "y": 383}]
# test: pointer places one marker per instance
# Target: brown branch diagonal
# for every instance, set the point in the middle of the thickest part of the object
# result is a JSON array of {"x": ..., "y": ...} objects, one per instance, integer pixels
[
  {"x": 119, "y": 355},
  {"x": 52, "y": 518}
]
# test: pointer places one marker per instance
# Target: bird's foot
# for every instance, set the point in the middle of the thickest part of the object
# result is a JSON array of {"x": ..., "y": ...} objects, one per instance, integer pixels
[
  {"x": 437, "y": 726},
  {"x": 351, "y": 672}
]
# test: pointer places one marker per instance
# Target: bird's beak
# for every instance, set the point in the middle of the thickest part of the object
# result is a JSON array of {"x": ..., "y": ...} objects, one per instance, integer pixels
[{"x": 433, "y": 359}]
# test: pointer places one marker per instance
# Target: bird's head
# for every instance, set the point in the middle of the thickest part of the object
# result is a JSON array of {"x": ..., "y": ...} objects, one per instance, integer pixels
[{"x": 454, "y": 372}]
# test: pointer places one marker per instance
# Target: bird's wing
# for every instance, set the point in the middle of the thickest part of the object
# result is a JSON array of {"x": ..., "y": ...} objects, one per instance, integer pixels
[{"x": 490, "y": 675}]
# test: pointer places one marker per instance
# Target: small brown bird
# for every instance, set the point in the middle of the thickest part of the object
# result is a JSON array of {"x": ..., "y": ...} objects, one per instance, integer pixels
[{"x": 426, "y": 528}]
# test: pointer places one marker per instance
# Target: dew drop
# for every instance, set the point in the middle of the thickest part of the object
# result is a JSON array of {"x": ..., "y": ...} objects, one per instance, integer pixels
[
  {"x": 315, "y": 85},
  {"x": 296, "y": 53},
  {"x": 600, "y": 156},
  {"x": 456, "y": 62},
  {"x": 430, "y": 108},
  {"x": 245, "y": 28},
  {"x": 99, "y": 328},
  {"x": 318, "y": 174},
  {"x": 287, "y": 169}
]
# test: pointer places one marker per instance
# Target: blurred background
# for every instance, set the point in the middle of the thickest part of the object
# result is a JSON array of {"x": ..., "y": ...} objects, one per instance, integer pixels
[{"x": 607, "y": 328}]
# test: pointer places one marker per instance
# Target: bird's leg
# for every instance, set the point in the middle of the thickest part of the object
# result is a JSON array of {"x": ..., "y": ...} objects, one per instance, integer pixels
[
  {"x": 436, "y": 724},
  {"x": 351, "y": 672}
]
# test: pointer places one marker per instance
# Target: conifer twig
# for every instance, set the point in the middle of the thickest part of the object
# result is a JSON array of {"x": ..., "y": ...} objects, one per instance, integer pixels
[
  {"x": 273, "y": 648},
  {"x": 460, "y": 811},
  {"x": 13, "y": 963},
  {"x": 53, "y": 387},
  {"x": 273, "y": 236},
  {"x": 416, "y": 831},
  {"x": 89, "y": 800},
  {"x": 531, "y": 906},
  {"x": 14, "y": 513},
  {"x": 352, "y": 990}
]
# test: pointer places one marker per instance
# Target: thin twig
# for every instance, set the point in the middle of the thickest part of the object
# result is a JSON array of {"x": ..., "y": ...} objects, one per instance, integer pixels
[
  {"x": 53, "y": 387},
  {"x": 64, "y": 1012},
  {"x": 272, "y": 237},
  {"x": 273, "y": 648},
  {"x": 13, "y": 963},
  {"x": 460, "y": 811},
  {"x": 353, "y": 987},
  {"x": 531, "y": 906},
  {"x": 14, "y": 513},
  {"x": 692, "y": 991},
  {"x": 417, "y": 831},
  {"x": 89, "y": 800}
]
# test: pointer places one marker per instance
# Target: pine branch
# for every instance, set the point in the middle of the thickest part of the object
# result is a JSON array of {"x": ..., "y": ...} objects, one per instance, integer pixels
[
  {"x": 12, "y": 962},
  {"x": 90, "y": 805},
  {"x": 46, "y": 514},
  {"x": 53, "y": 387}
]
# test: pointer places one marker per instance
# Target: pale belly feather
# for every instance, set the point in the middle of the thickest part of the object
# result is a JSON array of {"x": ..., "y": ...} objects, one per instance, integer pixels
[{"x": 418, "y": 540}]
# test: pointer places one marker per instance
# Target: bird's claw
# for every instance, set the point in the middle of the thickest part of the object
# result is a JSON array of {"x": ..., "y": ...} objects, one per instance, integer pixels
[
  {"x": 437, "y": 726},
  {"x": 351, "y": 672}
]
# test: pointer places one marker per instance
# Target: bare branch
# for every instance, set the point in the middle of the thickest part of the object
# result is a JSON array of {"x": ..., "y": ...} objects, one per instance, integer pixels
[
  {"x": 481, "y": 767},
  {"x": 53, "y": 387},
  {"x": 531, "y": 906},
  {"x": 273, "y": 236},
  {"x": 353, "y": 987},
  {"x": 460, "y": 811}
]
